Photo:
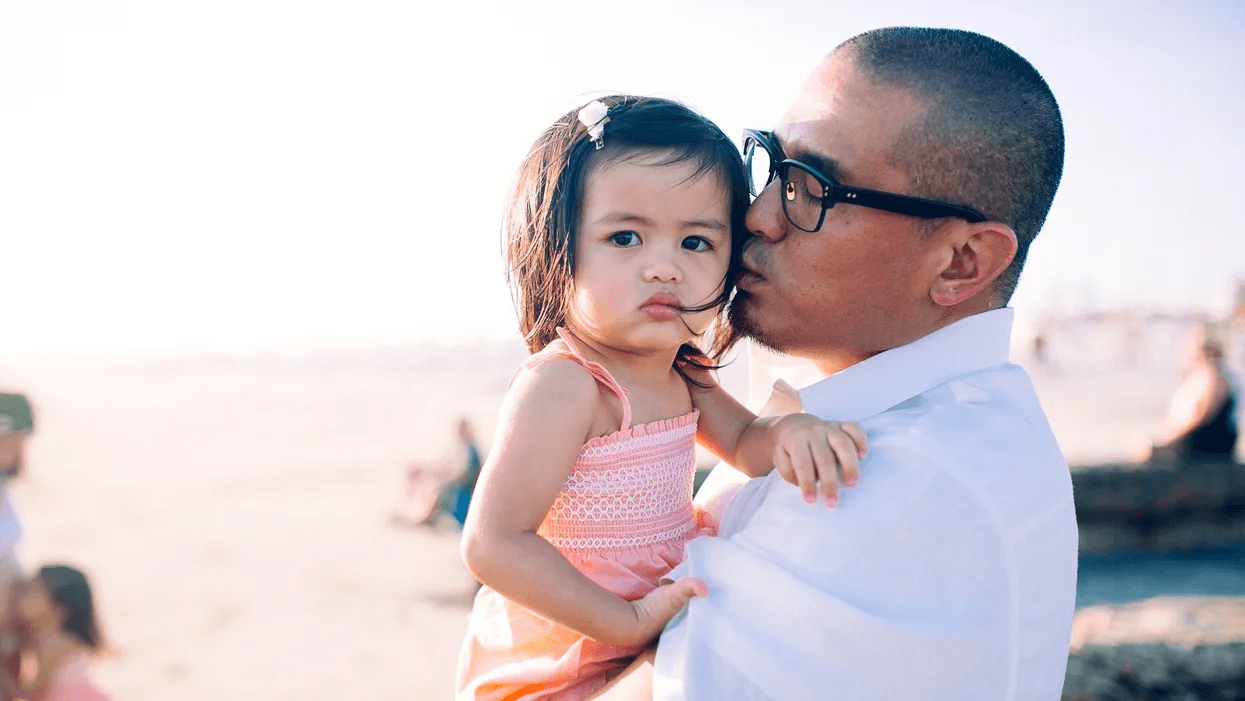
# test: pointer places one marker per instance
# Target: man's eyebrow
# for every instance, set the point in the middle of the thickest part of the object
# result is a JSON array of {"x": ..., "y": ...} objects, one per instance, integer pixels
[{"x": 825, "y": 165}]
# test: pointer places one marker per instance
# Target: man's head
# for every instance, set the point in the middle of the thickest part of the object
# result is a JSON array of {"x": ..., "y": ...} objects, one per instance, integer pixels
[
  {"x": 16, "y": 423},
  {"x": 945, "y": 115}
]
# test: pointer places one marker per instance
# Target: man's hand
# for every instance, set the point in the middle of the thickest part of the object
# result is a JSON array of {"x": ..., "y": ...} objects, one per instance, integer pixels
[{"x": 809, "y": 452}]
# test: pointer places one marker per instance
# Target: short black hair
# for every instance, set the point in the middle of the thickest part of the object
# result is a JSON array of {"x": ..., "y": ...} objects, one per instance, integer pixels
[
  {"x": 15, "y": 414},
  {"x": 991, "y": 137}
]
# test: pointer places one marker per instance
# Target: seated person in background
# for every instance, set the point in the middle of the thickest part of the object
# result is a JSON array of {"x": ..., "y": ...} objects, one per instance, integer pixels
[
  {"x": 435, "y": 492},
  {"x": 1202, "y": 415}
]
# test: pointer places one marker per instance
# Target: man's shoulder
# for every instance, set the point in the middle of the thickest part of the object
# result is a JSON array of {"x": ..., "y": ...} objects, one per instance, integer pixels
[
  {"x": 975, "y": 414},
  {"x": 985, "y": 431}
]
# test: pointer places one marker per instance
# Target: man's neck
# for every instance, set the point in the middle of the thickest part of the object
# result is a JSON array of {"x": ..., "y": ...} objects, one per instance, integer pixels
[{"x": 839, "y": 359}]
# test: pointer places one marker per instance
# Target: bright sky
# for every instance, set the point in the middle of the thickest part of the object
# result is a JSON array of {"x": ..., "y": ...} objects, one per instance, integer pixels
[{"x": 283, "y": 174}]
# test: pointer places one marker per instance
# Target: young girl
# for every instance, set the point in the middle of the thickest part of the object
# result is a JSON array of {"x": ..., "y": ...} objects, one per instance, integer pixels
[
  {"x": 623, "y": 239},
  {"x": 60, "y": 613}
]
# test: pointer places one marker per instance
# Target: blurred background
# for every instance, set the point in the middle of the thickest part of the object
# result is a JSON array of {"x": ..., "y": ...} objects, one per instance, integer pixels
[{"x": 252, "y": 274}]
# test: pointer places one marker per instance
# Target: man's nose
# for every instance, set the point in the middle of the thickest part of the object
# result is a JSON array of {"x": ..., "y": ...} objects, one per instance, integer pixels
[{"x": 765, "y": 218}]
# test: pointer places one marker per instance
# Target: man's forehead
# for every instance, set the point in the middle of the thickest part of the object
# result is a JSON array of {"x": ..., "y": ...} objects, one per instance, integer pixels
[
  {"x": 821, "y": 92},
  {"x": 839, "y": 114}
]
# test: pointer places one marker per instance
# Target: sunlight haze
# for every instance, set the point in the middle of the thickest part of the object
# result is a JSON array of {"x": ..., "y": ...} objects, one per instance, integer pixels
[{"x": 244, "y": 176}]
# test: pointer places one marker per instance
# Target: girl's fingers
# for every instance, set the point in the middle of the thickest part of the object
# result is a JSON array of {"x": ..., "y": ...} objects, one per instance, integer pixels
[
  {"x": 660, "y": 605},
  {"x": 695, "y": 585},
  {"x": 805, "y": 475},
  {"x": 857, "y": 434},
  {"x": 782, "y": 464},
  {"x": 849, "y": 459},
  {"x": 785, "y": 463},
  {"x": 827, "y": 467}
]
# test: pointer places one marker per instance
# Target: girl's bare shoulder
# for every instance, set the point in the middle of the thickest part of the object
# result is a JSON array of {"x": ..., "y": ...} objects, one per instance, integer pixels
[{"x": 555, "y": 373}]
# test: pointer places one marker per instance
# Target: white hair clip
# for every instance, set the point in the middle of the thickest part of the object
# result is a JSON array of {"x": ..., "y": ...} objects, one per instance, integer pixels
[{"x": 593, "y": 117}]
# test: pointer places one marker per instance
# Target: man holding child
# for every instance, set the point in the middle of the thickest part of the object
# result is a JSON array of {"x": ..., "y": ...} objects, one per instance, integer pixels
[{"x": 895, "y": 205}]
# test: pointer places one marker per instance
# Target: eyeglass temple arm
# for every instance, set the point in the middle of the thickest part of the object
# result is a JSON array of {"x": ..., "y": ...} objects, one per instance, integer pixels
[{"x": 914, "y": 206}]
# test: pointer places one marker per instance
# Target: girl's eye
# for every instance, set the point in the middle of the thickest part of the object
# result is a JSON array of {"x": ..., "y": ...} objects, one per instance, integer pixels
[
  {"x": 625, "y": 239},
  {"x": 697, "y": 243}
]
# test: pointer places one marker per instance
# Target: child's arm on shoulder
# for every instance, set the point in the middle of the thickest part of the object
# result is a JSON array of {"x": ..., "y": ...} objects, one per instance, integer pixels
[
  {"x": 805, "y": 450},
  {"x": 546, "y": 417}
]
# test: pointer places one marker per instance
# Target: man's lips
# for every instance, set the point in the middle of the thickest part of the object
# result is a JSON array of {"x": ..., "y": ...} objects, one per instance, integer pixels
[
  {"x": 661, "y": 306},
  {"x": 748, "y": 277}
]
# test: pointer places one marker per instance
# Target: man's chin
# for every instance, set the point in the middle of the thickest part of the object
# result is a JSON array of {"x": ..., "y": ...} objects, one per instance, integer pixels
[{"x": 743, "y": 318}]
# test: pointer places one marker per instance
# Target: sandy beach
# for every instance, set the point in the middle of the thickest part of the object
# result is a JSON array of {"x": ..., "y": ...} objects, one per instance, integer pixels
[
  {"x": 233, "y": 517},
  {"x": 233, "y": 513}
]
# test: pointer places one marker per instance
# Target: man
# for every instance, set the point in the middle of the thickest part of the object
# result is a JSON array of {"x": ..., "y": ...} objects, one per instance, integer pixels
[
  {"x": 950, "y": 572},
  {"x": 16, "y": 425}
]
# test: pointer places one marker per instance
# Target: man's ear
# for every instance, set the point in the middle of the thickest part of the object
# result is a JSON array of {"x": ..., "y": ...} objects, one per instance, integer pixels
[{"x": 973, "y": 257}]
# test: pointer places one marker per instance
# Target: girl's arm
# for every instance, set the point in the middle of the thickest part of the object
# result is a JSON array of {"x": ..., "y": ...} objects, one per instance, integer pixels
[
  {"x": 805, "y": 450},
  {"x": 546, "y": 417},
  {"x": 47, "y": 658}
]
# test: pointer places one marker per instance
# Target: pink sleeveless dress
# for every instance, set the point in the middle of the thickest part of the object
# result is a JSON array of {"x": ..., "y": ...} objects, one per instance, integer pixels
[
  {"x": 71, "y": 683},
  {"x": 622, "y": 519}
]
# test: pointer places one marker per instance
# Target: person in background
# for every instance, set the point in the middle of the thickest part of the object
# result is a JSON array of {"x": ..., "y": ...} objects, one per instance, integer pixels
[
  {"x": 59, "y": 610},
  {"x": 16, "y": 425},
  {"x": 455, "y": 496},
  {"x": 434, "y": 493},
  {"x": 1202, "y": 414}
]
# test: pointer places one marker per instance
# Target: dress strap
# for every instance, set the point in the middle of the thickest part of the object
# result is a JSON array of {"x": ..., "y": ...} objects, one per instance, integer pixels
[{"x": 598, "y": 372}]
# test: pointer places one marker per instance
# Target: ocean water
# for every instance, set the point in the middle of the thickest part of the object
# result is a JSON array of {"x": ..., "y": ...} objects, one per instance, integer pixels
[{"x": 1125, "y": 577}]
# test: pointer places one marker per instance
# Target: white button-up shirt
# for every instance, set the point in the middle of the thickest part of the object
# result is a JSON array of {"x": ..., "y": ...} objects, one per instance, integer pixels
[{"x": 948, "y": 573}]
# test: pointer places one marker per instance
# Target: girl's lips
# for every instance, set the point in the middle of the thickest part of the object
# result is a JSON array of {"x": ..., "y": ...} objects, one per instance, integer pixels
[
  {"x": 660, "y": 312},
  {"x": 662, "y": 306}
]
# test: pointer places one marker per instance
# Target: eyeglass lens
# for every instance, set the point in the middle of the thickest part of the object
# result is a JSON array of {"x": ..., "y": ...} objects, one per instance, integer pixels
[
  {"x": 801, "y": 196},
  {"x": 757, "y": 161},
  {"x": 801, "y": 192}
]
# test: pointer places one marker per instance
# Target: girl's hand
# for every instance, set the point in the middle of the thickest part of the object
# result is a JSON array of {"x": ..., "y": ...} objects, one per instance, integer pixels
[
  {"x": 809, "y": 452},
  {"x": 656, "y": 608}
]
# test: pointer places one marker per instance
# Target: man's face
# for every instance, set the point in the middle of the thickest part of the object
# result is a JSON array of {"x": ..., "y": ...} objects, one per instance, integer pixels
[
  {"x": 10, "y": 449},
  {"x": 860, "y": 284}
]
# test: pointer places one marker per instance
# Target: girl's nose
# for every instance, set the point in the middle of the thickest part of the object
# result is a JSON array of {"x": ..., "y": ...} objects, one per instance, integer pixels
[{"x": 663, "y": 268}]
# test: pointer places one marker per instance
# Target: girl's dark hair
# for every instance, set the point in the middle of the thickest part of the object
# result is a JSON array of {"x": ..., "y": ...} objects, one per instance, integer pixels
[
  {"x": 69, "y": 590},
  {"x": 542, "y": 216}
]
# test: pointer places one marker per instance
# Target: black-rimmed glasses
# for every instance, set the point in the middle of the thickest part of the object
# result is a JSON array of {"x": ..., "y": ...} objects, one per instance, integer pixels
[{"x": 807, "y": 194}]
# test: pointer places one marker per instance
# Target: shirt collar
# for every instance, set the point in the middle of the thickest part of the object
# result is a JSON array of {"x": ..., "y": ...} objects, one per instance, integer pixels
[{"x": 880, "y": 382}]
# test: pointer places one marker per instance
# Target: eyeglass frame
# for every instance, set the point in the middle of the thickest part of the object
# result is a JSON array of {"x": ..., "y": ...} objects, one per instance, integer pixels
[{"x": 834, "y": 192}]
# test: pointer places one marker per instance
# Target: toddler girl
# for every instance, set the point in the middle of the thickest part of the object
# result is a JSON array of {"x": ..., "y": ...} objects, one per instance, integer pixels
[{"x": 623, "y": 238}]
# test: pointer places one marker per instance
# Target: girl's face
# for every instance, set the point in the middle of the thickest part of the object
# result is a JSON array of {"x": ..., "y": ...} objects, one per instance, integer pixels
[
  {"x": 37, "y": 607},
  {"x": 651, "y": 238}
]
